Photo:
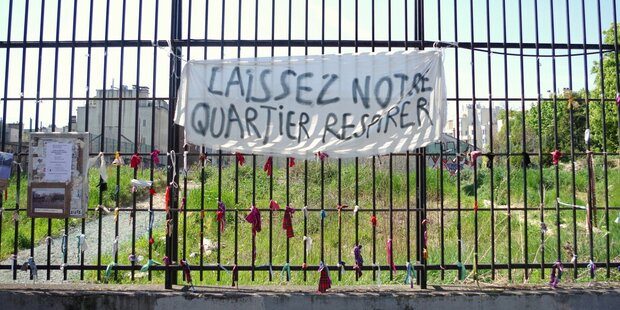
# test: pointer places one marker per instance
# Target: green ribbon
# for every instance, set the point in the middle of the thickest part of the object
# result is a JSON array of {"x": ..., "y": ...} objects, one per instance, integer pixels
[
  {"x": 462, "y": 271},
  {"x": 411, "y": 273},
  {"x": 286, "y": 269},
  {"x": 150, "y": 263},
  {"x": 108, "y": 270}
]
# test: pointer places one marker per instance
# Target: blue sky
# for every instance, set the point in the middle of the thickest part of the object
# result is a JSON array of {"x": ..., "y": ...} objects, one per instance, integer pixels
[{"x": 132, "y": 71}]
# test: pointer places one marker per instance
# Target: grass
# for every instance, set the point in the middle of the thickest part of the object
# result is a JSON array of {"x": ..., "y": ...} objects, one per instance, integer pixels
[
  {"x": 30, "y": 233},
  {"x": 538, "y": 244}
]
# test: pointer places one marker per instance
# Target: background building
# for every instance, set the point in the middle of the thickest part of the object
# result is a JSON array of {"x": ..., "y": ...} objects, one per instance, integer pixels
[
  {"x": 484, "y": 124},
  {"x": 128, "y": 127}
]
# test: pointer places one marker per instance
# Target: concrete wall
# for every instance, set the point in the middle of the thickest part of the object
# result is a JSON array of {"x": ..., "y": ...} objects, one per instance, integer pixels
[{"x": 16, "y": 298}]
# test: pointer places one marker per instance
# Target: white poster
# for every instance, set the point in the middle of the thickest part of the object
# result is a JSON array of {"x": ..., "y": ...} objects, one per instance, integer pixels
[
  {"x": 342, "y": 105},
  {"x": 58, "y": 158}
]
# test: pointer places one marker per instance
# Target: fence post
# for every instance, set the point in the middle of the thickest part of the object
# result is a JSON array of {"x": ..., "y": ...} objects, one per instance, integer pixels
[
  {"x": 420, "y": 168},
  {"x": 173, "y": 141}
]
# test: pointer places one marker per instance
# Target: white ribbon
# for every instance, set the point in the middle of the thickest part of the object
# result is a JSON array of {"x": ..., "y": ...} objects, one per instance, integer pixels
[
  {"x": 308, "y": 242},
  {"x": 173, "y": 160},
  {"x": 356, "y": 208},
  {"x": 305, "y": 210},
  {"x": 140, "y": 183},
  {"x": 115, "y": 247}
]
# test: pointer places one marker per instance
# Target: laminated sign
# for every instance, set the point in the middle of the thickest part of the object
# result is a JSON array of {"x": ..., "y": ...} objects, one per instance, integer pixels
[
  {"x": 58, "y": 175},
  {"x": 342, "y": 105}
]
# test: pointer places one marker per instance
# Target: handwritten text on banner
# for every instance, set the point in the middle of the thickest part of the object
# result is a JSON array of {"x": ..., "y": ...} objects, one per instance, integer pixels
[{"x": 343, "y": 105}]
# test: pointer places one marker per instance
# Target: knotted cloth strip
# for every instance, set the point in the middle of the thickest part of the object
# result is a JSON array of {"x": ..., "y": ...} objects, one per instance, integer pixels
[
  {"x": 221, "y": 215},
  {"x": 325, "y": 282},
  {"x": 268, "y": 167},
  {"x": 359, "y": 260},
  {"x": 240, "y": 159},
  {"x": 135, "y": 161},
  {"x": 150, "y": 263},
  {"x": 390, "y": 255},
  {"x": 287, "y": 222},
  {"x": 556, "y": 274},
  {"x": 410, "y": 274}
]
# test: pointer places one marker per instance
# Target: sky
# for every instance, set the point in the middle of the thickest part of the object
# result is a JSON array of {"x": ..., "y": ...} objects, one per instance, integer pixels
[{"x": 439, "y": 24}]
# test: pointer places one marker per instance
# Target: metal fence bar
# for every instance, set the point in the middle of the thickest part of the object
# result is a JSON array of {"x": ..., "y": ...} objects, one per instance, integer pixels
[{"x": 385, "y": 204}]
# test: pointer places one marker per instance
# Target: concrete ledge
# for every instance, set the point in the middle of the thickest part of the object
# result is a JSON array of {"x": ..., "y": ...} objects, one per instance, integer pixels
[{"x": 72, "y": 296}]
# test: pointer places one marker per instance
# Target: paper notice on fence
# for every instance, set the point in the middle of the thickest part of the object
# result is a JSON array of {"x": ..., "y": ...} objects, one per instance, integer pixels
[
  {"x": 343, "y": 105},
  {"x": 58, "y": 157}
]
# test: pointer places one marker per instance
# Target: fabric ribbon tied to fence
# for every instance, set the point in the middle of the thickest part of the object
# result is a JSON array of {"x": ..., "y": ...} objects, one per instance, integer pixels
[
  {"x": 556, "y": 274},
  {"x": 268, "y": 167},
  {"x": 135, "y": 161},
  {"x": 410, "y": 274},
  {"x": 287, "y": 222},
  {"x": 286, "y": 272},
  {"x": 155, "y": 157},
  {"x": 462, "y": 271},
  {"x": 325, "y": 282},
  {"x": 187, "y": 273},
  {"x": 81, "y": 245},
  {"x": 359, "y": 260},
  {"x": 291, "y": 162},
  {"x": 221, "y": 215},
  {"x": 254, "y": 218},
  {"x": 390, "y": 255},
  {"x": 150, "y": 263},
  {"x": 273, "y": 205},
  {"x": 240, "y": 159},
  {"x": 33, "y": 268},
  {"x": 108, "y": 270},
  {"x": 235, "y": 275}
]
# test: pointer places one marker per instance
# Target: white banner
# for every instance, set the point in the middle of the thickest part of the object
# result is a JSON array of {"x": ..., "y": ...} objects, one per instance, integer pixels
[{"x": 342, "y": 105}]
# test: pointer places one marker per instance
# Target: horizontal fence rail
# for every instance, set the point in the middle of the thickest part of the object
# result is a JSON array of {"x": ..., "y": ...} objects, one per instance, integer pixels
[{"x": 491, "y": 202}]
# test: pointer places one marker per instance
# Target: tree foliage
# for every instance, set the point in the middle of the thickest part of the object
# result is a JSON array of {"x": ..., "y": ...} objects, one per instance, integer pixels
[{"x": 563, "y": 117}]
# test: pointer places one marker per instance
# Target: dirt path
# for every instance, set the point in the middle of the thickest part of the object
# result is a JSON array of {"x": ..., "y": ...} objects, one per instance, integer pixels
[{"x": 91, "y": 233}]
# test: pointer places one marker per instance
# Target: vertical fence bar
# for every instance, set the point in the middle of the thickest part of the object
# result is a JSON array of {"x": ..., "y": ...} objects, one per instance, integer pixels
[
  {"x": 53, "y": 125},
  {"x": 603, "y": 112},
  {"x": 568, "y": 96},
  {"x": 152, "y": 164},
  {"x": 508, "y": 147},
  {"x": 541, "y": 189},
  {"x": 457, "y": 152},
  {"x": 491, "y": 149},
  {"x": 4, "y": 109},
  {"x": 475, "y": 134}
]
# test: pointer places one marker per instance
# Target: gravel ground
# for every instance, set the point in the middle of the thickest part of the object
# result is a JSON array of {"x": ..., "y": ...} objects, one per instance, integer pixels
[{"x": 90, "y": 254}]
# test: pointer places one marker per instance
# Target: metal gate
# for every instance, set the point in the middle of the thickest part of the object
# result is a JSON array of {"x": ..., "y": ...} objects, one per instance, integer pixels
[{"x": 505, "y": 195}]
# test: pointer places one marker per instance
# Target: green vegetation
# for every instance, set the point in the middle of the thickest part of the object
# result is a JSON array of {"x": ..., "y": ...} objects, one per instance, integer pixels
[
  {"x": 535, "y": 248},
  {"x": 56, "y": 226}
]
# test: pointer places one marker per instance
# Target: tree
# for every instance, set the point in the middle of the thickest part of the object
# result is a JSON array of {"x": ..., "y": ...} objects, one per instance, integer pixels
[{"x": 608, "y": 78}]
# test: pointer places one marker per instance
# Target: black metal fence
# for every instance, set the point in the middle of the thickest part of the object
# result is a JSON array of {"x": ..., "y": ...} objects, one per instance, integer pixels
[{"x": 447, "y": 216}]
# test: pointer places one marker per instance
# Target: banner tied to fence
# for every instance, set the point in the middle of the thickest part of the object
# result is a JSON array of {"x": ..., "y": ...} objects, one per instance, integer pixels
[{"x": 343, "y": 105}]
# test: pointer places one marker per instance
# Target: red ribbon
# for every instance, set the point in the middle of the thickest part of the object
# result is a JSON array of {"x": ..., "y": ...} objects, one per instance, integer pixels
[
  {"x": 135, "y": 161},
  {"x": 240, "y": 159},
  {"x": 254, "y": 218},
  {"x": 268, "y": 167},
  {"x": 221, "y": 215},
  {"x": 340, "y": 207},
  {"x": 555, "y": 156},
  {"x": 287, "y": 222},
  {"x": 186, "y": 271},
  {"x": 155, "y": 157},
  {"x": 373, "y": 220},
  {"x": 167, "y": 200},
  {"x": 322, "y": 156},
  {"x": 291, "y": 162},
  {"x": 273, "y": 205},
  {"x": 476, "y": 206},
  {"x": 474, "y": 155}
]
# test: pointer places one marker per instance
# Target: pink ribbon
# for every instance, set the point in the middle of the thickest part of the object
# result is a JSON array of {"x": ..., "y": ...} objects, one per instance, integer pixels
[
  {"x": 268, "y": 167},
  {"x": 155, "y": 157}
]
